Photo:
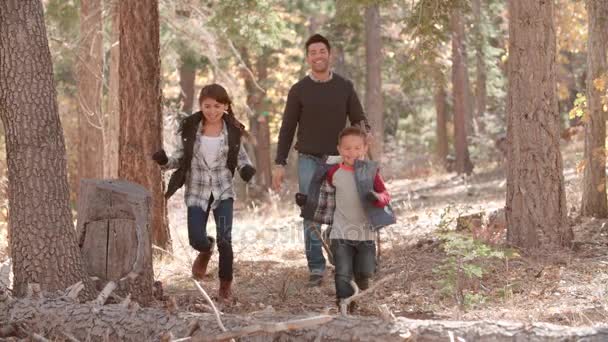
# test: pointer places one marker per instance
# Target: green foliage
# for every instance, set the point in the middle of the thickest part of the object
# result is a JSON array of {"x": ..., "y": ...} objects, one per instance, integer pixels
[
  {"x": 466, "y": 262},
  {"x": 580, "y": 107}
]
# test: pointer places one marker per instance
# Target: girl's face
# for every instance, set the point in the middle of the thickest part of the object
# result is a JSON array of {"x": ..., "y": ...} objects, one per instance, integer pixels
[{"x": 213, "y": 110}]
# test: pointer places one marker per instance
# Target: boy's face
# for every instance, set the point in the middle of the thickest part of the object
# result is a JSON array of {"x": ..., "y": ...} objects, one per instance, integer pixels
[{"x": 351, "y": 148}]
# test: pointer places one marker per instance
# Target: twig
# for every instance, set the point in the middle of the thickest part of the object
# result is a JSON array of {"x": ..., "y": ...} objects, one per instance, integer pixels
[
  {"x": 105, "y": 293},
  {"x": 208, "y": 299},
  {"x": 70, "y": 337},
  {"x": 344, "y": 302},
  {"x": 74, "y": 290},
  {"x": 323, "y": 243},
  {"x": 271, "y": 327}
]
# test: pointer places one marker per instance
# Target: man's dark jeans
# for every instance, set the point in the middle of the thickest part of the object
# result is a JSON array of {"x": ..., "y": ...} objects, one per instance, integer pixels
[
  {"x": 353, "y": 258},
  {"x": 197, "y": 233}
]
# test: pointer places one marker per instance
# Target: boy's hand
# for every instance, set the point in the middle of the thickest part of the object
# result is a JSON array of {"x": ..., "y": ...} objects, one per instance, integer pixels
[
  {"x": 278, "y": 173},
  {"x": 372, "y": 196},
  {"x": 301, "y": 199},
  {"x": 247, "y": 172},
  {"x": 160, "y": 157}
]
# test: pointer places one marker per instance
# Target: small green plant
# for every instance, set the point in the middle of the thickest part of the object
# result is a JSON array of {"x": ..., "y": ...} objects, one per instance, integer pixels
[{"x": 465, "y": 263}]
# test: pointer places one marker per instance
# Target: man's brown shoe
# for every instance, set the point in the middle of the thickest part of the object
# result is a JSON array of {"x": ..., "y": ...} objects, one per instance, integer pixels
[
  {"x": 225, "y": 289},
  {"x": 199, "y": 266}
]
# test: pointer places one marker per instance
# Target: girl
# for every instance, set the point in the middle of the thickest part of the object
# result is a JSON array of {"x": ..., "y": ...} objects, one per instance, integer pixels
[{"x": 209, "y": 154}]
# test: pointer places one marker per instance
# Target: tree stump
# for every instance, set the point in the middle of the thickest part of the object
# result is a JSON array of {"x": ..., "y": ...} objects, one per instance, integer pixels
[{"x": 114, "y": 235}]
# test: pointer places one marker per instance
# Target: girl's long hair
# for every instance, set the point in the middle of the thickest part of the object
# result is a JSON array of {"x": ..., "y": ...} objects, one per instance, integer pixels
[{"x": 219, "y": 94}]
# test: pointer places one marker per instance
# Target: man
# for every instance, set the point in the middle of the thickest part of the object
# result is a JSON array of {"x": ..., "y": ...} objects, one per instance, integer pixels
[{"x": 318, "y": 106}]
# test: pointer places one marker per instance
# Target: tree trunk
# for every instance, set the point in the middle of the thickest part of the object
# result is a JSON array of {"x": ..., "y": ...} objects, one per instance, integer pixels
[
  {"x": 338, "y": 41},
  {"x": 594, "y": 180},
  {"x": 90, "y": 81},
  {"x": 441, "y": 110},
  {"x": 93, "y": 321},
  {"x": 259, "y": 123},
  {"x": 461, "y": 103},
  {"x": 374, "y": 103},
  {"x": 140, "y": 107},
  {"x": 536, "y": 201},
  {"x": 480, "y": 70},
  {"x": 187, "y": 76},
  {"x": 43, "y": 243},
  {"x": 112, "y": 117}
]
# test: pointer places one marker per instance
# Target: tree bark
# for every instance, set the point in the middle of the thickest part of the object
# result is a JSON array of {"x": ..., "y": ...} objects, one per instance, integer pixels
[
  {"x": 43, "y": 243},
  {"x": 480, "y": 70},
  {"x": 187, "y": 76},
  {"x": 116, "y": 322},
  {"x": 441, "y": 110},
  {"x": 260, "y": 128},
  {"x": 536, "y": 201},
  {"x": 461, "y": 98},
  {"x": 140, "y": 107},
  {"x": 594, "y": 179},
  {"x": 90, "y": 82},
  {"x": 338, "y": 41},
  {"x": 112, "y": 117},
  {"x": 374, "y": 102}
]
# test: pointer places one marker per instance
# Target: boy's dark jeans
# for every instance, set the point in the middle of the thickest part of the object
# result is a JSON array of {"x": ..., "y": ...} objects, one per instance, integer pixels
[
  {"x": 197, "y": 233},
  {"x": 353, "y": 258}
]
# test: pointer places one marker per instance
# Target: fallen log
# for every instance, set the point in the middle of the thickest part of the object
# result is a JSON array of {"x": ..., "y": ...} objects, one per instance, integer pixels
[{"x": 56, "y": 318}]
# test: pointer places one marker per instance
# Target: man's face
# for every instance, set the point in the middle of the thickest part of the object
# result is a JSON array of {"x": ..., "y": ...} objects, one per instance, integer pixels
[{"x": 318, "y": 57}]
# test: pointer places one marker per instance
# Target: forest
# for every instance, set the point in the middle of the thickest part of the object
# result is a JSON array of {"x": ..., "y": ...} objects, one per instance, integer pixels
[{"x": 485, "y": 118}]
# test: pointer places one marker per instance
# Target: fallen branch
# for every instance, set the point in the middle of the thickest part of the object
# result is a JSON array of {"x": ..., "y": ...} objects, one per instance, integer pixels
[
  {"x": 105, "y": 293},
  {"x": 208, "y": 299},
  {"x": 330, "y": 256},
  {"x": 268, "y": 328},
  {"x": 345, "y": 302}
]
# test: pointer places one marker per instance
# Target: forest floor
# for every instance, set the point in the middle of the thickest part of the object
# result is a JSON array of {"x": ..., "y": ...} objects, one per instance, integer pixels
[
  {"x": 569, "y": 288},
  {"x": 270, "y": 273}
]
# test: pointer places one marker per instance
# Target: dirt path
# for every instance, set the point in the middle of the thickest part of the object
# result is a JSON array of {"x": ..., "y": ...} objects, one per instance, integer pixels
[{"x": 271, "y": 273}]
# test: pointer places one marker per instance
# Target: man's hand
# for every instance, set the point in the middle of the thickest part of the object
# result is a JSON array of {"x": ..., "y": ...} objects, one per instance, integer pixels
[
  {"x": 160, "y": 157},
  {"x": 278, "y": 173}
]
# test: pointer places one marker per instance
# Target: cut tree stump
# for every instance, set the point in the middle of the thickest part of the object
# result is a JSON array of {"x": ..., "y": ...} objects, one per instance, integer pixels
[
  {"x": 55, "y": 318},
  {"x": 114, "y": 235}
]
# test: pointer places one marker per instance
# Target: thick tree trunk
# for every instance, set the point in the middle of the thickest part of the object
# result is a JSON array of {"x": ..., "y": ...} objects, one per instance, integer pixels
[
  {"x": 140, "y": 107},
  {"x": 594, "y": 180},
  {"x": 536, "y": 201},
  {"x": 461, "y": 98},
  {"x": 187, "y": 76},
  {"x": 116, "y": 322},
  {"x": 43, "y": 244},
  {"x": 90, "y": 81},
  {"x": 374, "y": 103},
  {"x": 112, "y": 117},
  {"x": 441, "y": 110},
  {"x": 480, "y": 70}
]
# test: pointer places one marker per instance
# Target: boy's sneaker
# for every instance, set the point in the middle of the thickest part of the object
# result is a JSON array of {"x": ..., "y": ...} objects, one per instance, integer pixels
[{"x": 315, "y": 280}]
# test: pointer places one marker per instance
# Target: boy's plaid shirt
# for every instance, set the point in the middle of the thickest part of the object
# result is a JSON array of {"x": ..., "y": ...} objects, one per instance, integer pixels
[
  {"x": 201, "y": 180},
  {"x": 324, "y": 213}
]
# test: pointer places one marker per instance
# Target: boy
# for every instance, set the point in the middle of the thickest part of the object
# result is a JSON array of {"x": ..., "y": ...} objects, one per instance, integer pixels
[{"x": 351, "y": 197}]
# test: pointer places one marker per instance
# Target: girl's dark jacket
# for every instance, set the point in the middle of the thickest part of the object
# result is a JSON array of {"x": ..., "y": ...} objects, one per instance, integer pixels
[
  {"x": 321, "y": 198},
  {"x": 188, "y": 136}
]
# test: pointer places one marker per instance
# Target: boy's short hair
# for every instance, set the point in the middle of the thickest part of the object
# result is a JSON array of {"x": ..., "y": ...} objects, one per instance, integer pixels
[
  {"x": 352, "y": 131},
  {"x": 317, "y": 38}
]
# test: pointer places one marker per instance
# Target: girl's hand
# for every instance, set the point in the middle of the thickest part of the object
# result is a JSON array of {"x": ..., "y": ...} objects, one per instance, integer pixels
[
  {"x": 247, "y": 172},
  {"x": 160, "y": 157}
]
